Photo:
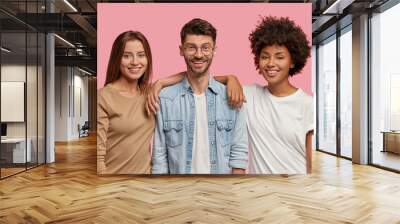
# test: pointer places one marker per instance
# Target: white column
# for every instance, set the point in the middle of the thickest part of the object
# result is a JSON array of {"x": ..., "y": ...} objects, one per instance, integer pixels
[
  {"x": 360, "y": 90},
  {"x": 50, "y": 99},
  {"x": 50, "y": 92}
]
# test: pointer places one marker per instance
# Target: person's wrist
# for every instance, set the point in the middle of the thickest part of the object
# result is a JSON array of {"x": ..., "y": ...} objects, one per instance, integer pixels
[
  {"x": 230, "y": 78},
  {"x": 158, "y": 83},
  {"x": 238, "y": 171}
]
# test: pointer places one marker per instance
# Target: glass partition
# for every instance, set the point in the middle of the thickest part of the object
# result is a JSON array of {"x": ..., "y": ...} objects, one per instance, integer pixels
[
  {"x": 31, "y": 98},
  {"x": 327, "y": 95},
  {"x": 13, "y": 95},
  {"x": 22, "y": 88}
]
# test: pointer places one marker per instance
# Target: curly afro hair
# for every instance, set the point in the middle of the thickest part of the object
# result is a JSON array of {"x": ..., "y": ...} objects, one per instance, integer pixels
[{"x": 281, "y": 31}]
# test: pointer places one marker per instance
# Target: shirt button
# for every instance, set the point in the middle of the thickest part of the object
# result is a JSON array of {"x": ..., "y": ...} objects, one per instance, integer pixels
[{"x": 212, "y": 143}]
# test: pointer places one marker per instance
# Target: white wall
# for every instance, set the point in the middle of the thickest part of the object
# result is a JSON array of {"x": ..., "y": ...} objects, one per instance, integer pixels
[
  {"x": 34, "y": 125},
  {"x": 61, "y": 103},
  {"x": 71, "y": 93},
  {"x": 15, "y": 72}
]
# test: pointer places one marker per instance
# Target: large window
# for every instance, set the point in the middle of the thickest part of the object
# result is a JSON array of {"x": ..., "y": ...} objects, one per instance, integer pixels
[
  {"x": 329, "y": 111},
  {"x": 346, "y": 92},
  {"x": 314, "y": 87},
  {"x": 327, "y": 95},
  {"x": 385, "y": 89}
]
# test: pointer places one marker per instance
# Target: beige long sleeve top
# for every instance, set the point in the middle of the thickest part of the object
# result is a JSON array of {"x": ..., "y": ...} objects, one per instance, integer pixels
[{"x": 124, "y": 133}]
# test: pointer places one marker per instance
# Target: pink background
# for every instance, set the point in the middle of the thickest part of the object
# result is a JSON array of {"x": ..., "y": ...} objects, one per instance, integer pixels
[{"x": 161, "y": 24}]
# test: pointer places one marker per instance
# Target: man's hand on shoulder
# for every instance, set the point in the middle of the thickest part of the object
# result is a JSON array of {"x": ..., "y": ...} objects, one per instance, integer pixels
[{"x": 153, "y": 100}]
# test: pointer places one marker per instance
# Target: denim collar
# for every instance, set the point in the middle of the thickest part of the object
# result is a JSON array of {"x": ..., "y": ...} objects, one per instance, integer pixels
[{"x": 212, "y": 85}]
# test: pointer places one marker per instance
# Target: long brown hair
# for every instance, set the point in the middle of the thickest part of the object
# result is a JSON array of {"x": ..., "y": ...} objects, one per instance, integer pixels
[{"x": 113, "y": 72}]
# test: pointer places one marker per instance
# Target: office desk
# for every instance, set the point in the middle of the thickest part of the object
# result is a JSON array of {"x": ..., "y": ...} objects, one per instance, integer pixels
[
  {"x": 391, "y": 141},
  {"x": 13, "y": 150}
]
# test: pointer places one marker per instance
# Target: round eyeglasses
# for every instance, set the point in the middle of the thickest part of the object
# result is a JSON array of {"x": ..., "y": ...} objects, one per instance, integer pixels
[{"x": 192, "y": 49}]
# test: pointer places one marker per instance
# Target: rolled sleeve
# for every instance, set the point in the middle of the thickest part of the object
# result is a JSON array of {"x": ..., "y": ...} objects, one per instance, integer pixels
[
  {"x": 239, "y": 148},
  {"x": 159, "y": 155},
  {"x": 309, "y": 116}
]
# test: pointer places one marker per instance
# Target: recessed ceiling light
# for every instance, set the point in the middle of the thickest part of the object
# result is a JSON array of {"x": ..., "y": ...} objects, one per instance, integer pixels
[
  {"x": 337, "y": 7},
  {"x": 70, "y": 5},
  {"x": 64, "y": 40},
  {"x": 84, "y": 71},
  {"x": 5, "y": 50}
]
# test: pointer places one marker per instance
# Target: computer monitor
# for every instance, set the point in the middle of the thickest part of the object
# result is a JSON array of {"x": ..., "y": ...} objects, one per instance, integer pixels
[{"x": 3, "y": 129}]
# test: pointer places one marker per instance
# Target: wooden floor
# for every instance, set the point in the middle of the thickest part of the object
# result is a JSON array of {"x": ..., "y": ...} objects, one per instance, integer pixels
[
  {"x": 5, "y": 172},
  {"x": 69, "y": 191},
  {"x": 387, "y": 159}
]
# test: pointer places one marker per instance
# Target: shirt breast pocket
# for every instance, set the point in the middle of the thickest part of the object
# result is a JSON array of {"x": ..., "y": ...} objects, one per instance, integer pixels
[
  {"x": 224, "y": 128},
  {"x": 173, "y": 133}
]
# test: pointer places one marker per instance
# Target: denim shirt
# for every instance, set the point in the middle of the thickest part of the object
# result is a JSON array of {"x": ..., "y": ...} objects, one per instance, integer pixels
[{"x": 173, "y": 138}]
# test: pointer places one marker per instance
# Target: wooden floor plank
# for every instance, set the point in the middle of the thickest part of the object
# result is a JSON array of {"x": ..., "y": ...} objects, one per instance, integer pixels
[{"x": 69, "y": 191}]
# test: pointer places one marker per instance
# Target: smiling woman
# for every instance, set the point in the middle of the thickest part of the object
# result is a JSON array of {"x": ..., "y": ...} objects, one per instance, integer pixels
[
  {"x": 134, "y": 61},
  {"x": 123, "y": 128},
  {"x": 280, "y": 115}
]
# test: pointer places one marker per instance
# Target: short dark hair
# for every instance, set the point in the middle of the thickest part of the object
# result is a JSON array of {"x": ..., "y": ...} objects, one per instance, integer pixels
[
  {"x": 281, "y": 31},
  {"x": 198, "y": 27}
]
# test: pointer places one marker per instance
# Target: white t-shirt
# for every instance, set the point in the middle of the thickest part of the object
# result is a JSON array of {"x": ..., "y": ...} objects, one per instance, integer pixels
[
  {"x": 201, "y": 149},
  {"x": 277, "y": 128}
]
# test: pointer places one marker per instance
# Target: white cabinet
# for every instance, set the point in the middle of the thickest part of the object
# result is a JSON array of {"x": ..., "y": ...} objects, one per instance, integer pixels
[{"x": 17, "y": 146}]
